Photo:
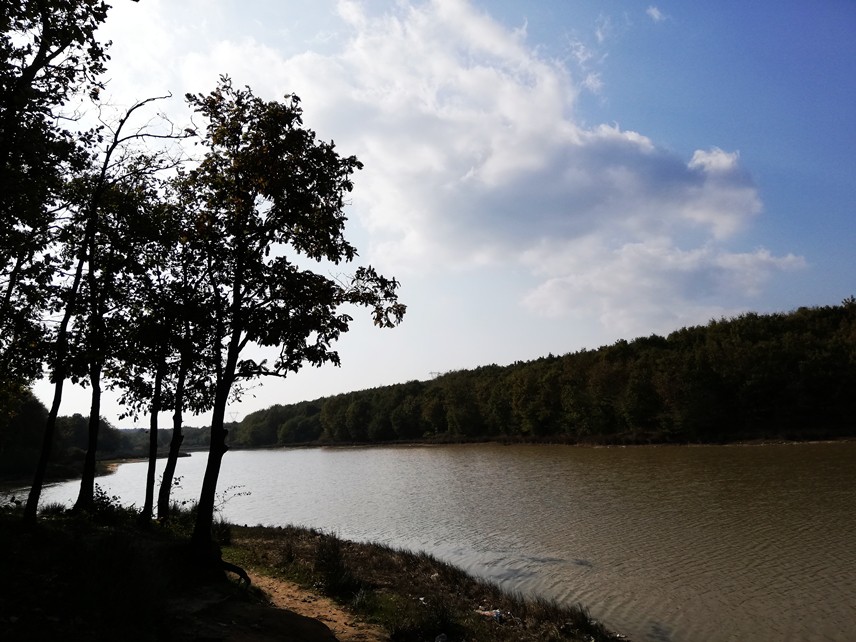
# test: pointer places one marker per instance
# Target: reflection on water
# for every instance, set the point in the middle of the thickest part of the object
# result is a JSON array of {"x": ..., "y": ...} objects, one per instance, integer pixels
[{"x": 663, "y": 544}]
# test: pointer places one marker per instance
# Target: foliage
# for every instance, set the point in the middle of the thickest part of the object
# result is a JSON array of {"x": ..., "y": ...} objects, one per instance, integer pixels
[
  {"x": 268, "y": 197},
  {"x": 48, "y": 55},
  {"x": 21, "y": 432},
  {"x": 778, "y": 376}
]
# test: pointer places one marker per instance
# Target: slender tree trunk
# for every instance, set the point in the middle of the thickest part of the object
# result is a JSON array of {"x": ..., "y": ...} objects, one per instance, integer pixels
[
  {"x": 31, "y": 509},
  {"x": 201, "y": 539},
  {"x": 174, "y": 445},
  {"x": 148, "y": 505},
  {"x": 60, "y": 372},
  {"x": 95, "y": 346},
  {"x": 87, "y": 481}
]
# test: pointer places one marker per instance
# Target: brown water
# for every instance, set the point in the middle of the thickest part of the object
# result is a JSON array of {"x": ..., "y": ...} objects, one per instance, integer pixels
[{"x": 661, "y": 543}]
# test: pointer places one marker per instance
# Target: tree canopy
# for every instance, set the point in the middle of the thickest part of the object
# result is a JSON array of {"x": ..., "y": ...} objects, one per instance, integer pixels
[
  {"x": 777, "y": 376},
  {"x": 266, "y": 196}
]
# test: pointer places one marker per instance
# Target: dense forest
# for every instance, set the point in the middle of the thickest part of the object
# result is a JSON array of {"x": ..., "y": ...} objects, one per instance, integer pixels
[
  {"x": 22, "y": 425},
  {"x": 778, "y": 376}
]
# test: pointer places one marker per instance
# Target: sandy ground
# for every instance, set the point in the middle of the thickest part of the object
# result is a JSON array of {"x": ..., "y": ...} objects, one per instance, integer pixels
[{"x": 346, "y": 628}]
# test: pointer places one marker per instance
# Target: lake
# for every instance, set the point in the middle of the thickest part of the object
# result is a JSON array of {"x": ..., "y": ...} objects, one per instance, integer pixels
[{"x": 663, "y": 544}]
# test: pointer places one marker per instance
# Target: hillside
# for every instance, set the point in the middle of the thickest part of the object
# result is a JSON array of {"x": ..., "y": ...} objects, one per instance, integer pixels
[{"x": 776, "y": 376}]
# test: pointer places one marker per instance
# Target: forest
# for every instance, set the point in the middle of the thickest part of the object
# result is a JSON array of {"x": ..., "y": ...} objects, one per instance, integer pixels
[
  {"x": 753, "y": 377},
  {"x": 780, "y": 376}
]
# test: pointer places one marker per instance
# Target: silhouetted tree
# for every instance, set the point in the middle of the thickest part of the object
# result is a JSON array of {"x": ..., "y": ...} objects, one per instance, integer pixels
[
  {"x": 267, "y": 187},
  {"x": 48, "y": 54}
]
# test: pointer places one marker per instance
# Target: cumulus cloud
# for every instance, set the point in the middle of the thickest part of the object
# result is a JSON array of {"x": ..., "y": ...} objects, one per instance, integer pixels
[
  {"x": 637, "y": 287},
  {"x": 475, "y": 157}
]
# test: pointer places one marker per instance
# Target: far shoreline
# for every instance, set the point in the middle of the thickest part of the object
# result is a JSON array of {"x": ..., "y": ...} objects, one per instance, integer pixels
[{"x": 109, "y": 466}]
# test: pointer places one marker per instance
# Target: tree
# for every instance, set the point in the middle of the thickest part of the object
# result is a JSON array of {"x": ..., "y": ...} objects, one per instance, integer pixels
[
  {"x": 164, "y": 339},
  {"x": 122, "y": 205},
  {"x": 48, "y": 55},
  {"x": 105, "y": 203},
  {"x": 265, "y": 188}
]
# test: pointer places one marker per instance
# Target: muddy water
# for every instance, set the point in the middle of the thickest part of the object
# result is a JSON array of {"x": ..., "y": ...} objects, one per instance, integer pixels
[{"x": 661, "y": 543}]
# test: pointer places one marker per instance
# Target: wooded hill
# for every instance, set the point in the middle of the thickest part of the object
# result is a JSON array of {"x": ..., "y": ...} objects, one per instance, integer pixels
[{"x": 776, "y": 376}]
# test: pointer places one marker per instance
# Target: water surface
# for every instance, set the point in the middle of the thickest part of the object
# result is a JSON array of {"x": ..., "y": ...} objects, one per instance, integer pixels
[{"x": 661, "y": 543}]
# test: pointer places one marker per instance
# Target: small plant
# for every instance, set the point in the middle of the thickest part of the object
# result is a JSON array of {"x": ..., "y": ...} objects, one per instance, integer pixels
[
  {"x": 109, "y": 510},
  {"x": 334, "y": 576},
  {"x": 286, "y": 553},
  {"x": 364, "y": 601},
  {"x": 227, "y": 495},
  {"x": 221, "y": 531},
  {"x": 53, "y": 509}
]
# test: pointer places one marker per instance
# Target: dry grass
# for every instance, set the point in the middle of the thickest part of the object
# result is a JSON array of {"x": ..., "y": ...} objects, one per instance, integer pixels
[{"x": 414, "y": 596}]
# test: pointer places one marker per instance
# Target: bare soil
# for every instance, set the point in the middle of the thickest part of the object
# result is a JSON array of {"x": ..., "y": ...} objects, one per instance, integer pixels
[{"x": 289, "y": 596}]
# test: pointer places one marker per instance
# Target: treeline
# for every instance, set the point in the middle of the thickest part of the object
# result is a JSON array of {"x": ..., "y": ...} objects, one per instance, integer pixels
[
  {"x": 21, "y": 432},
  {"x": 777, "y": 376}
]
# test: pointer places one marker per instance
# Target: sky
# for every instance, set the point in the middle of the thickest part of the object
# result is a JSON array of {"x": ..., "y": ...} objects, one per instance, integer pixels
[{"x": 541, "y": 177}]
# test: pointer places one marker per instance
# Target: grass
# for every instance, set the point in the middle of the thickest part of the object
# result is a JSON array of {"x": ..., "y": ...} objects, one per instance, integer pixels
[
  {"x": 100, "y": 576},
  {"x": 415, "y": 597}
]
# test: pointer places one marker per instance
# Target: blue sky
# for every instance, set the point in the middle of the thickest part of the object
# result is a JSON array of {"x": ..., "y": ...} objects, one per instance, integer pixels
[{"x": 544, "y": 177}]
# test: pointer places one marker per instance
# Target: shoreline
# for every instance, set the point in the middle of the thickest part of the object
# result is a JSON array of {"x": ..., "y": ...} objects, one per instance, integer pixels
[
  {"x": 573, "y": 444},
  {"x": 410, "y": 595},
  {"x": 115, "y": 579},
  {"x": 109, "y": 466}
]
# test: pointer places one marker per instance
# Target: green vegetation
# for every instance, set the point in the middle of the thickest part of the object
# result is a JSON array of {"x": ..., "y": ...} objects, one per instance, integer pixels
[{"x": 778, "y": 376}]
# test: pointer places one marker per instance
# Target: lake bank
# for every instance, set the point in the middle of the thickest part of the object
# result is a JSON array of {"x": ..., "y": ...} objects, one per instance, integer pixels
[
  {"x": 662, "y": 543},
  {"x": 138, "y": 586}
]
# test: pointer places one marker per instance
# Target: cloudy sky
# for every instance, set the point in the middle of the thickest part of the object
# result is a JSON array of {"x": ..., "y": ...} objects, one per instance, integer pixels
[{"x": 543, "y": 176}]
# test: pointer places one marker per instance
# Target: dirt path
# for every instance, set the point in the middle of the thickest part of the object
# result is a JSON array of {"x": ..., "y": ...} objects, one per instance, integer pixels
[{"x": 344, "y": 625}]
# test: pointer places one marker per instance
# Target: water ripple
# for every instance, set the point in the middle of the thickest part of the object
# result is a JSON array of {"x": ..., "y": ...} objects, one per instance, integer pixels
[{"x": 662, "y": 544}]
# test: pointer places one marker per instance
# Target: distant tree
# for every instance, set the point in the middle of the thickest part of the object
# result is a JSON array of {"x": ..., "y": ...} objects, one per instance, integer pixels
[
  {"x": 266, "y": 187},
  {"x": 21, "y": 426}
]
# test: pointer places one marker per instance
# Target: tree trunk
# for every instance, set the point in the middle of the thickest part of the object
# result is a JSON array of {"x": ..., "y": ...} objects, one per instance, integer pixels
[
  {"x": 148, "y": 504},
  {"x": 174, "y": 445},
  {"x": 201, "y": 539},
  {"x": 31, "y": 509},
  {"x": 85, "y": 498},
  {"x": 60, "y": 371}
]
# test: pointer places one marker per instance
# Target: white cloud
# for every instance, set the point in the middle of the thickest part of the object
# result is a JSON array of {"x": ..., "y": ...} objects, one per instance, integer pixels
[
  {"x": 603, "y": 29},
  {"x": 715, "y": 161},
  {"x": 648, "y": 286},
  {"x": 655, "y": 14},
  {"x": 474, "y": 157}
]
